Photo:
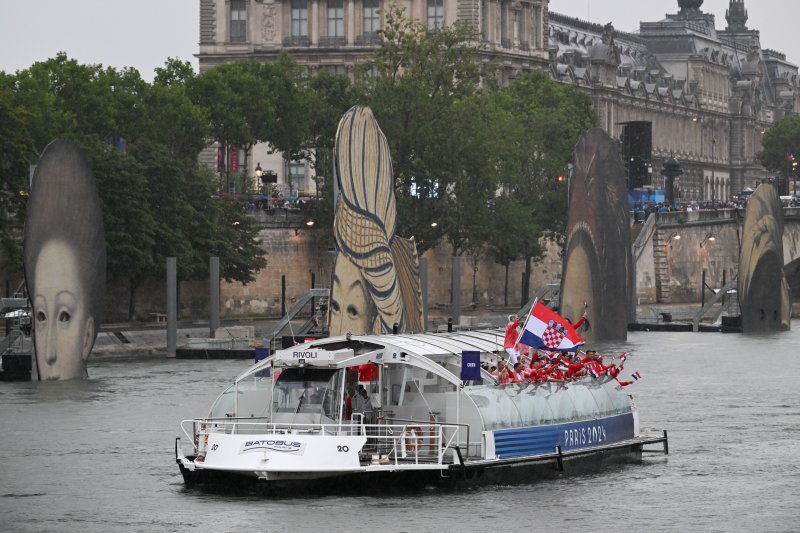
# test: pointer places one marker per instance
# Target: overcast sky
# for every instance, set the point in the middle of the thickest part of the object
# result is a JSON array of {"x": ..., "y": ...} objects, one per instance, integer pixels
[{"x": 144, "y": 33}]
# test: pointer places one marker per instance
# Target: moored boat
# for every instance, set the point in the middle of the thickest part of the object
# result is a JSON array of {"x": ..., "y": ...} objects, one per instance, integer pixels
[{"x": 295, "y": 420}]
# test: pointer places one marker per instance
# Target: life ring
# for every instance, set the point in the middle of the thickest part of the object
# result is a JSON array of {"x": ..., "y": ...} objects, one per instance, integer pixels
[{"x": 412, "y": 438}]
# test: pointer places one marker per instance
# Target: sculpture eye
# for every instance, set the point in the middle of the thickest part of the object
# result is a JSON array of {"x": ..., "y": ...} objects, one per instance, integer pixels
[
  {"x": 64, "y": 316},
  {"x": 335, "y": 306},
  {"x": 40, "y": 316},
  {"x": 352, "y": 311}
]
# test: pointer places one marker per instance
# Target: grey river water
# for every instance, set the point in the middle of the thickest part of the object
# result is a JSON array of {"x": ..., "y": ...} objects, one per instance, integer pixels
[{"x": 97, "y": 455}]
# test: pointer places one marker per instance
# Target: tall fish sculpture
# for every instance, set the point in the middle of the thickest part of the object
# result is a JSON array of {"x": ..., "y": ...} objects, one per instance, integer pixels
[
  {"x": 764, "y": 295},
  {"x": 597, "y": 268}
]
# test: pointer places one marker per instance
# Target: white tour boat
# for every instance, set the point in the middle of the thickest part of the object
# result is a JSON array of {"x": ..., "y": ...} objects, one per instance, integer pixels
[{"x": 286, "y": 423}]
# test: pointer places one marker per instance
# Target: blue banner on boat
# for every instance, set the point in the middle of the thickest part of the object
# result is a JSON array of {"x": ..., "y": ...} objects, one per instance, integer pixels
[
  {"x": 262, "y": 353},
  {"x": 543, "y": 439},
  {"x": 470, "y": 366}
]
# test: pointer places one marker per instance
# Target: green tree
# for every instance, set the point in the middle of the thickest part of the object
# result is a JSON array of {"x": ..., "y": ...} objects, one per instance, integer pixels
[
  {"x": 509, "y": 230},
  {"x": 16, "y": 153},
  {"x": 421, "y": 75},
  {"x": 249, "y": 102},
  {"x": 782, "y": 144},
  {"x": 479, "y": 157},
  {"x": 329, "y": 97},
  {"x": 158, "y": 201},
  {"x": 551, "y": 117},
  {"x": 130, "y": 225}
]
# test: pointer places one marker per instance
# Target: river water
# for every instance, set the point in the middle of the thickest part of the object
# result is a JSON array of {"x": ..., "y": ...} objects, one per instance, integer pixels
[{"x": 97, "y": 455}]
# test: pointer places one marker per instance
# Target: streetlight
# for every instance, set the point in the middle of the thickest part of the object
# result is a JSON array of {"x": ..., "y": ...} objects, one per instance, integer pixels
[
  {"x": 259, "y": 173},
  {"x": 675, "y": 236},
  {"x": 709, "y": 238}
]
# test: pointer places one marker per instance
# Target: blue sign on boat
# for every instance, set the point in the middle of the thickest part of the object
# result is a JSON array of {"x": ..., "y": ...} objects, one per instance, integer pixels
[{"x": 470, "y": 366}]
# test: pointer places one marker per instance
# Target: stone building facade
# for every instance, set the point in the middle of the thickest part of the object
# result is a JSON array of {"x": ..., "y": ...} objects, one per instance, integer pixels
[
  {"x": 336, "y": 35},
  {"x": 708, "y": 94}
]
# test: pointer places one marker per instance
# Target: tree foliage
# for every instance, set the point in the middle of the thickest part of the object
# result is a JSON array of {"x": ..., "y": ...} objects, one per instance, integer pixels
[
  {"x": 422, "y": 75},
  {"x": 16, "y": 150},
  {"x": 143, "y": 142},
  {"x": 474, "y": 163},
  {"x": 782, "y": 142}
]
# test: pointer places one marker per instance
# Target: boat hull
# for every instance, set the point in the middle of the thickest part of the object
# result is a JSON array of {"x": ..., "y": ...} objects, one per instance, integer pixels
[{"x": 517, "y": 470}]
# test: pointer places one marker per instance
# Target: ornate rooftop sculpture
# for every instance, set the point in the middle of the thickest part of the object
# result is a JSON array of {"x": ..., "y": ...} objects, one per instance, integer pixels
[
  {"x": 736, "y": 15},
  {"x": 688, "y": 6}
]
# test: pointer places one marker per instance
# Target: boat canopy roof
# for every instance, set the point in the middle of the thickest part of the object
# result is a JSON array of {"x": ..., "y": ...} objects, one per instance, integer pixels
[{"x": 409, "y": 348}]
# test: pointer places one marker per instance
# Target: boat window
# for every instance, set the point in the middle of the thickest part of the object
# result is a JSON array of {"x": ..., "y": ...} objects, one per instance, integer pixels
[
  {"x": 534, "y": 408},
  {"x": 224, "y": 405},
  {"x": 496, "y": 405},
  {"x": 602, "y": 396},
  {"x": 253, "y": 397},
  {"x": 305, "y": 390},
  {"x": 528, "y": 404},
  {"x": 620, "y": 401},
  {"x": 248, "y": 398},
  {"x": 583, "y": 399}
]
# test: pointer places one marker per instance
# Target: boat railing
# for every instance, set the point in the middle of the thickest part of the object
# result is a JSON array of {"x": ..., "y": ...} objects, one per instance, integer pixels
[{"x": 392, "y": 441}]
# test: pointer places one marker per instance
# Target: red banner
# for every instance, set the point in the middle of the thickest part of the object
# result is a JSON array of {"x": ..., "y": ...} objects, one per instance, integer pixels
[{"x": 233, "y": 160}]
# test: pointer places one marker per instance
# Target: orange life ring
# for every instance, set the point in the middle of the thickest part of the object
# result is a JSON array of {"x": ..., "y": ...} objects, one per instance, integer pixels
[{"x": 412, "y": 437}]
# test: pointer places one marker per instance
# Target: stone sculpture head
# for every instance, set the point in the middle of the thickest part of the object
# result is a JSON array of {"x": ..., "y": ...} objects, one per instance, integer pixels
[{"x": 65, "y": 261}]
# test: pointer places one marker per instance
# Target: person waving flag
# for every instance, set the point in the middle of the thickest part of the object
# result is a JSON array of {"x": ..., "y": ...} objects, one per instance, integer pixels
[{"x": 546, "y": 329}]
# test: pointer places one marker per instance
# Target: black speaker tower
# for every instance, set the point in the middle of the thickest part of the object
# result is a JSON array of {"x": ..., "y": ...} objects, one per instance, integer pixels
[{"x": 637, "y": 148}]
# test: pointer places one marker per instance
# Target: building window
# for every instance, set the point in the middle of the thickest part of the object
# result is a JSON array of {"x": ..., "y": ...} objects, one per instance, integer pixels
[
  {"x": 336, "y": 70},
  {"x": 366, "y": 72},
  {"x": 372, "y": 22},
  {"x": 335, "y": 18},
  {"x": 435, "y": 14},
  {"x": 297, "y": 174},
  {"x": 299, "y": 18},
  {"x": 238, "y": 21}
]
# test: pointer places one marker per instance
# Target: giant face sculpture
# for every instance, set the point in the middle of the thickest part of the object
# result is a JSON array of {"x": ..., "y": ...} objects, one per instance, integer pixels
[
  {"x": 763, "y": 292},
  {"x": 375, "y": 281},
  {"x": 598, "y": 263},
  {"x": 64, "y": 261}
]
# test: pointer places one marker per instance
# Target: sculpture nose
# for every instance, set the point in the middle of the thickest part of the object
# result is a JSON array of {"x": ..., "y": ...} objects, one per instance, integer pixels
[{"x": 50, "y": 352}]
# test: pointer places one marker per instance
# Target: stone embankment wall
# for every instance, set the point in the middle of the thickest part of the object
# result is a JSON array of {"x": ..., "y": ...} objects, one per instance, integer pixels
[
  {"x": 297, "y": 255},
  {"x": 672, "y": 255},
  {"x": 668, "y": 270}
]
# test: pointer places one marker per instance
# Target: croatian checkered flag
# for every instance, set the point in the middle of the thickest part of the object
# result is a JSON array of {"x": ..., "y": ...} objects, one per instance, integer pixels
[{"x": 548, "y": 330}]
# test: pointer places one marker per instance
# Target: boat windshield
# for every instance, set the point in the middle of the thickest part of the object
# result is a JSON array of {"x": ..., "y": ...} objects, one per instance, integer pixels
[
  {"x": 300, "y": 392},
  {"x": 248, "y": 398}
]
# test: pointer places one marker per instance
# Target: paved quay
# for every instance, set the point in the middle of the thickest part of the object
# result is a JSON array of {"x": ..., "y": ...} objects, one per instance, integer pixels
[{"x": 150, "y": 339}]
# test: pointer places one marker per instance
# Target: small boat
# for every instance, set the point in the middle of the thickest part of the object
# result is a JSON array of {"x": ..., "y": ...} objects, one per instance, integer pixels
[{"x": 290, "y": 422}]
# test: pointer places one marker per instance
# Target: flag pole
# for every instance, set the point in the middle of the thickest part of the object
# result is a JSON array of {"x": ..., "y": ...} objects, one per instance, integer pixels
[{"x": 522, "y": 329}]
